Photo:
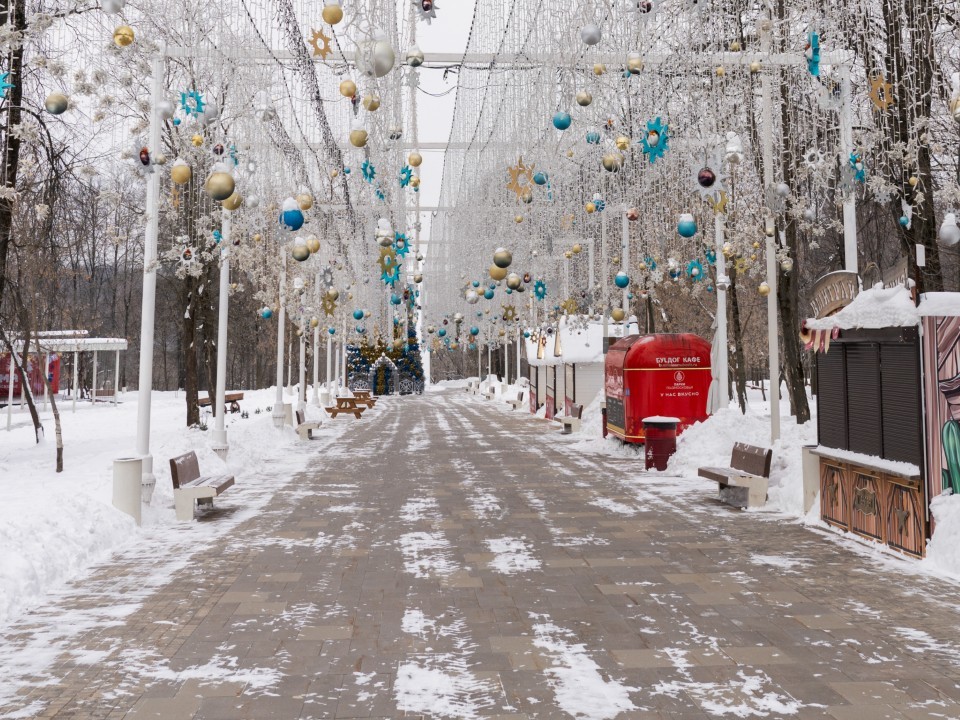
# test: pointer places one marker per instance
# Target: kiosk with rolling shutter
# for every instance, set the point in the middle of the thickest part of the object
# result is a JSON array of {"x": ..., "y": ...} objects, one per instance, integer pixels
[{"x": 880, "y": 450}]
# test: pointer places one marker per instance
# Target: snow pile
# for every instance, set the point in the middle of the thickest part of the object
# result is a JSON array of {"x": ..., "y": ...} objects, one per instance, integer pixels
[
  {"x": 577, "y": 345},
  {"x": 940, "y": 304},
  {"x": 942, "y": 554},
  {"x": 710, "y": 444},
  {"x": 878, "y": 307}
]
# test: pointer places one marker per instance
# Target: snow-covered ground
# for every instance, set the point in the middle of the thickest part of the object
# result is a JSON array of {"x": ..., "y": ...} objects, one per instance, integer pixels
[
  {"x": 710, "y": 444},
  {"x": 55, "y": 525}
]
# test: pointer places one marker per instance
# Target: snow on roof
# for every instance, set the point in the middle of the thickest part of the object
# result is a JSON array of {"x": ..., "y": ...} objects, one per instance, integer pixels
[
  {"x": 878, "y": 307},
  {"x": 940, "y": 304},
  {"x": 577, "y": 345}
]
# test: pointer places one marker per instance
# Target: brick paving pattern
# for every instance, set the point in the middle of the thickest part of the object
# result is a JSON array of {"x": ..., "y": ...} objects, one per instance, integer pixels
[{"x": 448, "y": 559}]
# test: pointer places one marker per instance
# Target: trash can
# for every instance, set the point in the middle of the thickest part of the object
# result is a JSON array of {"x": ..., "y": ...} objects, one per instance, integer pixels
[
  {"x": 660, "y": 444},
  {"x": 127, "y": 477}
]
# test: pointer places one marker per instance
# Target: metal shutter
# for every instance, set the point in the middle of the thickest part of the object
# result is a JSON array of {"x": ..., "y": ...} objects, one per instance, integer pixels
[
  {"x": 863, "y": 398},
  {"x": 832, "y": 399},
  {"x": 900, "y": 392}
]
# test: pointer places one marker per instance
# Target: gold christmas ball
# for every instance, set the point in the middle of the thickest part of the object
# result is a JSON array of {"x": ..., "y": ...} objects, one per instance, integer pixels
[
  {"x": 756, "y": 245},
  {"x": 333, "y": 294},
  {"x": 418, "y": 278},
  {"x": 220, "y": 186},
  {"x": 300, "y": 253},
  {"x": 518, "y": 219},
  {"x": 313, "y": 244},
  {"x": 584, "y": 98},
  {"x": 349, "y": 296},
  {"x": 913, "y": 181},
  {"x": 720, "y": 71},
  {"x": 590, "y": 208},
  {"x": 527, "y": 196},
  {"x": 514, "y": 281},
  {"x": 180, "y": 173},
  {"x": 502, "y": 258},
  {"x": 414, "y": 159},
  {"x": 955, "y": 108},
  {"x": 497, "y": 273},
  {"x": 599, "y": 69},
  {"x": 502, "y": 333},
  {"x": 764, "y": 289},
  {"x": 753, "y": 257},
  {"x": 415, "y": 182},
  {"x": 623, "y": 143},
  {"x": 332, "y": 14},
  {"x": 334, "y": 173},
  {"x": 56, "y": 103},
  {"x": 314, "y": 322},
  {"x": 358, "y": 138},
  {"x": 612, "y": 162},
  {"x": 618, "y": 314},
  {"x": 371, "y": 103},
  {"x": 299, "y": 332},
  {"x": 569, "y": 153},
  {"x": 348, "y": 88},
  {"x": 568, "y": 254},
  {"x": 755, "y": 66},
  {"x": 735, "y": 46},
  {"x": 257, "y": 237},
  {"x": 123, "y": 36},
  {"x": 197, "y": 140},
  {"x": 305, "y": 201},
  {"x": 634, "y": 63},
  {"x": 233, "y": 202},
  {"x": 577, "y": 249}
]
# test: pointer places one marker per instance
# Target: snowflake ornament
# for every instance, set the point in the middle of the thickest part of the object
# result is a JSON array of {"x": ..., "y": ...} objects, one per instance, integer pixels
[
  {"x": 192, "y": 103},
  {"x": 656, "y": 142},
  {"x": 426, "y": 9}
]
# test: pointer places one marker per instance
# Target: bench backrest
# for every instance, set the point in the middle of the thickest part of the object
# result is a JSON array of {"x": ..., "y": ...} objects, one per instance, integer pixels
[
  {"x": 751, "y": 459},
  {"x": 184, "y": 469},
  {"x": 300, "y": 418},
  {"x": 576, "y": 411}
]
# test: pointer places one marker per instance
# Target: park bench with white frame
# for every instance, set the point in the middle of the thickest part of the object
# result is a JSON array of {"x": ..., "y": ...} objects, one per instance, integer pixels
[
  {"x": 305, "y": 428},
  {"x": 744, "y": 484},
  {"x": 571, "y": 422},
  {"x": 190, "y": 488}
]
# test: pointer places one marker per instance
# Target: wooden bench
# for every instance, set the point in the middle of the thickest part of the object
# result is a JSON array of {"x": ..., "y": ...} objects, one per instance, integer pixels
[
  {"x": 743, "y": 484},
  {"x": 103, "y": 396},
  {"x": 571, "y": 422},
  {"x": 305, "y": 429},
  {"x": 232, "y": 398},
  {"x": 518, "y": 401},
  {"x": 346, "y": 405},
  {"x": 365, "y": 398},
  {"x": 190, "y": 488}
]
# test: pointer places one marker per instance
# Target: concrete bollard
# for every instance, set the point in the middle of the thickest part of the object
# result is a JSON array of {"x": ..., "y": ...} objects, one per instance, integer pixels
[{"x": 127, "y": 477}]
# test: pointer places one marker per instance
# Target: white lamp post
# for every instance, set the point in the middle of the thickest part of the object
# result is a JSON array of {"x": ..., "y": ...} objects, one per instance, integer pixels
[
  {"x": 220, "y": 445},
  {"x": 278, "y": 412}
]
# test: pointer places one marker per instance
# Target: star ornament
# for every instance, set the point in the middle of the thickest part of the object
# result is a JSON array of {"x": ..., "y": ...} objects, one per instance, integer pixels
[
  {"x": 655, "y": 142},
  {"x": 320, "y": 44},
  {"x": 881, "y": 94},
  {"x": 521, "y": 178},
  {"x": 192, "y": 102}
]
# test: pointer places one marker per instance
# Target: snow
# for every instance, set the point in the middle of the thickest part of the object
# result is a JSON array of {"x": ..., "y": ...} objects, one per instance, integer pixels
[
  {"x": 53, "y": 527},
  {"x": 577, "y": 345},
  {"x": 942, "y": 554},
  {"x": 894, "y": 467},
  {"x": 512, "y": 555},
  {"x": 878, "y": 307},
  {"x": 940, "y": 304}
]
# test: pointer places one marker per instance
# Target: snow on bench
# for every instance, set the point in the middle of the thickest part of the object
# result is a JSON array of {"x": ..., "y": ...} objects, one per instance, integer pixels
[
  {"x": 305, "y": 429},
  {"x": 571, "y": 422}
]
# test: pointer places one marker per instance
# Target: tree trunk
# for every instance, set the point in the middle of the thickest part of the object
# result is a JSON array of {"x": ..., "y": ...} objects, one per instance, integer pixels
[
  {"x": 740, "y": 367},
  {"x": 190, "y": 353},
  {"x": 11, "y": 149}
]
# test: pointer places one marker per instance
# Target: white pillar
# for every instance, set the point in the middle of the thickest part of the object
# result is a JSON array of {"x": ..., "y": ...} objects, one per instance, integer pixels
[
  {"x": 479, "y": 361},
  {"x": 850, "y": 201},
  {"x": 94, "y": 383},
  {"x": 116, "y": 379},
  {"x": 489, "y": 358},
  {"x": 316, "y": 366},
  {"x": 625, "y": 262},
  {"x": 147, "y": 314},
  {"x": 329, "y": 367},
  {"x": 302, "y": 385},
  {"x": 721, "y": 371},
  {"x": 343, "y": 344},
  {"x": 506, "y": 360},
  {"x": 220, "y": 445},
  {"x": 278, "y": 414},
  {"x": 76, "y": 378},
  {"x": 519, "y": 340},
  {"x": 591, "y": 262},
  {"x": 770, "y": 230},
  {"x": 337, "y": 373}
]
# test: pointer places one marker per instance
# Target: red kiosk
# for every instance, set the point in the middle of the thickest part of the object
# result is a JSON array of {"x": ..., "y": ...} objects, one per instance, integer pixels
[{"x": 656, "y": 375}]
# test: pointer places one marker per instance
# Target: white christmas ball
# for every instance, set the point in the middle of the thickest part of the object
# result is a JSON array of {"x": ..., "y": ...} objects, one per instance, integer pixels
[{"x": 590, "y": 34}]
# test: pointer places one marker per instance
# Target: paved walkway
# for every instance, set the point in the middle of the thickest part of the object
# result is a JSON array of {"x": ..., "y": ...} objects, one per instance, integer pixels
[{"x": 443, "y": 561}]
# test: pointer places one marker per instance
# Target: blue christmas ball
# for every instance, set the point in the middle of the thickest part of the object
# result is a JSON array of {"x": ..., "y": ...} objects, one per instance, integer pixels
[
  {"x": 509, "y": 291},
  {"x": 395, "y": 299},
  {"x": 473, "y": 346},
  {"x": 441, "y": 332},
  {"x": 476, "y": 283},
  {"x": 474, "y": 330},
  {"x": 361, "y": 329},
  {"x": 266, "y": 313},
  {"x": 488, "y": 294},
  {"x": 540, "y": 178},
  {"x": 332, "y": 331},
  {"x": 687, "y": 227},
  {"x": 346, "y": 171},
  {"x": 622, "y": 280},
  {"x": 562, "y": 120},
  {"x": 358, "y": 314},
  {"x": 904, "y": 221},
  {"x": 291, "y": 216},
  {"x": 526, "y": 333}
]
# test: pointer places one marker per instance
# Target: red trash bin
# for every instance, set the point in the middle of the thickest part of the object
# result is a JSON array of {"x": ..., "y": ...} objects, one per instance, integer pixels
[{"x": 660, "y": 444}]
